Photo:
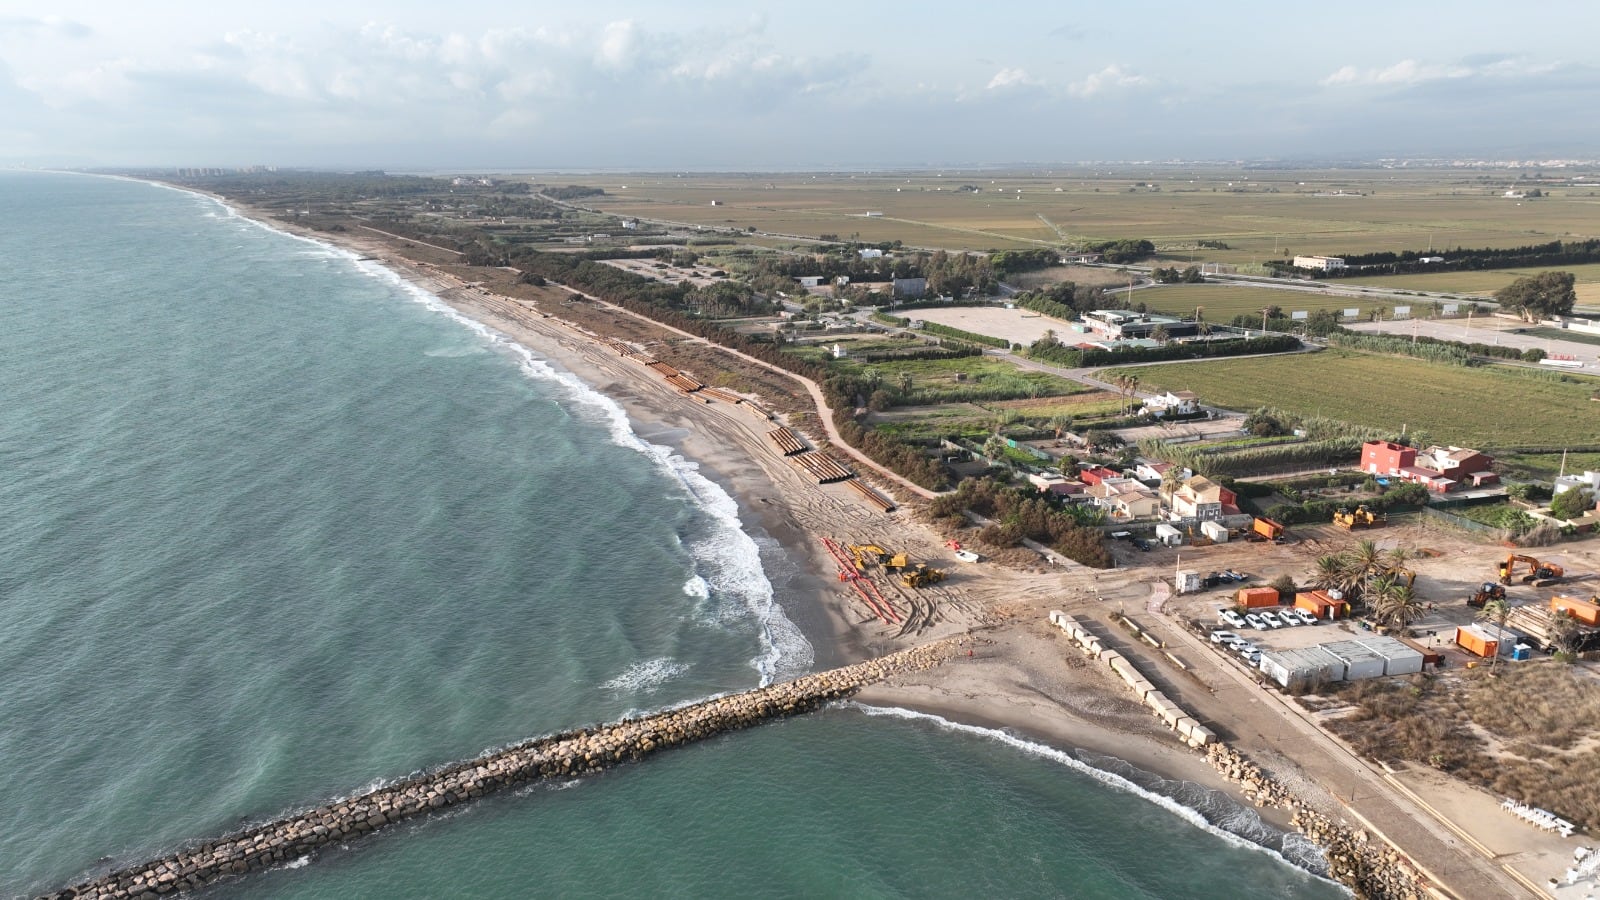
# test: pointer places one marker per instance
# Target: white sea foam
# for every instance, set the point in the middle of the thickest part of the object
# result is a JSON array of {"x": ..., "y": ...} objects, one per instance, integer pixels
[
  {"x": 299, "y": 862},
  {"x": 1304, "y": 851},
  {"x": 647, "y": 675},
  {"x": 726, "y": 558},
  {"x": 697, "y": 588}
]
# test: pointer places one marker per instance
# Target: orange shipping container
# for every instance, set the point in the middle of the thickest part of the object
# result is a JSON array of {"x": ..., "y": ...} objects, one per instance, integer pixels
[
  {"x": 1476, "y": 642},
  {"x": 1583, "y": 610},
  {"x": 1253, "y": 597}
]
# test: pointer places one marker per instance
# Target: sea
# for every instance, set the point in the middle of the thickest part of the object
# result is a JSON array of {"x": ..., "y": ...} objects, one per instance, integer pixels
[{"x": 277, "y": 526}]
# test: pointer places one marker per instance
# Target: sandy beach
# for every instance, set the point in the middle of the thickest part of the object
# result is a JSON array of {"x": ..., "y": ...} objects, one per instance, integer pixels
[{"x": 1021, "y": 674}]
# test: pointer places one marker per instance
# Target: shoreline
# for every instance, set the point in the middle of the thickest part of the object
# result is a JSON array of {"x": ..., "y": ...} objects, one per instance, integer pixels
[{"x": 1077, "y": 714}]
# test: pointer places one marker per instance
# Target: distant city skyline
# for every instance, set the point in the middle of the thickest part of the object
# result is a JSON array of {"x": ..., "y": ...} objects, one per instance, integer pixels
[{"x": 824, "y": 85}]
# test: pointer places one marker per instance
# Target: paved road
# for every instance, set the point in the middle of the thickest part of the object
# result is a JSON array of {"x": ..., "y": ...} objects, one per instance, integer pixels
[{"x": 1261, "y": 719}]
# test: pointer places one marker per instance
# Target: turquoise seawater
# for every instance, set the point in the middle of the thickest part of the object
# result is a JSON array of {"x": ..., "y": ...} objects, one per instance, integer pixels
[{"x": 275, "y": 526}]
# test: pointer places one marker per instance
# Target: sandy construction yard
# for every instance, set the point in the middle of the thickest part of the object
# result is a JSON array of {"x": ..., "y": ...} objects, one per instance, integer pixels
[{"x": 1019, "y": 326}]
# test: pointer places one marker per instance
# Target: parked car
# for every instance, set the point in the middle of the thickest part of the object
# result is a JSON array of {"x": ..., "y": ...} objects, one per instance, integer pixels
[
  {"x": 1253, "y": 657},
  {"x": 1286, "y": 617},
  {"x": 1236, "y": 576},
  {"x": 1305, "y": 616},
  {"x": 1231, "y": 617},
  {"x": 1142, "y": 544},
  {"x": 1223, "y": 637},
  {"x": 1244, "y": 648},
  {"x": 1255, "y": 621},
  {"x": 1269, "y": 617}
]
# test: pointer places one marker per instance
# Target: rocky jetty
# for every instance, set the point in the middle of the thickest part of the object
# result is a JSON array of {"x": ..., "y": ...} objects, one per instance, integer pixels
[
  {"x": 1370, "y": 868},
  {"x": 562, "y": 755}
]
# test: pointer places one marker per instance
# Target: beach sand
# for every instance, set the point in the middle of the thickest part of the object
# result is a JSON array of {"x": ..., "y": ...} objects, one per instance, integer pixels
[{"x": 1023, "y": 675}]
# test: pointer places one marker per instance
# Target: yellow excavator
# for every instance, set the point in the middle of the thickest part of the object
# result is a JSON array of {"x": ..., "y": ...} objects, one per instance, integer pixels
[
  {"x": 1539, "y": 574},
  {"x": 866, "y": 554}
]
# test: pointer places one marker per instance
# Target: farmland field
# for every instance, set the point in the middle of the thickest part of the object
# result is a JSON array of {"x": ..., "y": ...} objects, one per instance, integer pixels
[
  {"x": 1258, "y": 215},
  {"x": 1224, "y": 301},
  {"x": 968, "y": 377},
  {"x": 1485, "y": 283},
  {"x": 1483, "y": 408}
]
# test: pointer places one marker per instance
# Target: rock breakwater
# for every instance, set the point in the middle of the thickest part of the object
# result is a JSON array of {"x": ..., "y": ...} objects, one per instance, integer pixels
[{"x": 563, "y": 755}]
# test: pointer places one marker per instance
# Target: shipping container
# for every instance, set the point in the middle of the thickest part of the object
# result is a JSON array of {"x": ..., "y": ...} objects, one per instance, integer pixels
[
  {"x": 1188, "y": 581},
  {"x": 1476, "y": 641},
  {"x": 1168, "y": 535},
  {"x": 1584, "y": 611},
  {"x": 1216, "y": 531},
  {"x": 1323, "y": 604},
  {"x": 1254, "y": 597}
]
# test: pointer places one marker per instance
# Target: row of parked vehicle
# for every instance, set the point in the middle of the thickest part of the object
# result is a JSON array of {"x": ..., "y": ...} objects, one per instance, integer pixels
[
  {"x": 1250, "y": 652},
  {"x": 1266, "y": 619}
]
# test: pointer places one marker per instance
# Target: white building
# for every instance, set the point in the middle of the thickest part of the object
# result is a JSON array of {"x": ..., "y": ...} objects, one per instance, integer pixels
[
  {"x": 1176, "y": 403},
  {"x": 870, "y": 253},
  {"x": 1321, "y": 263},
  {"x": 1589, "y": 481}
]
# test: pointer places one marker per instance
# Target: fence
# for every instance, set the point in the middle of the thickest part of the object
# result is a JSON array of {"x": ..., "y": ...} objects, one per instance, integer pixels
[{"x": 1462, "y": 522}]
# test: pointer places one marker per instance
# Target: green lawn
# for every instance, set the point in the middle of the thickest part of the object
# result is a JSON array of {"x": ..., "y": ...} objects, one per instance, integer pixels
[
  {"x": 1483, "y": 407},
  {"x": 1546, "y": 466}
]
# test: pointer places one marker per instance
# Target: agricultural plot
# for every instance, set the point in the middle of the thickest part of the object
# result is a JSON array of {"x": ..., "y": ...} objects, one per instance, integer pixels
[
  {"x": 1485, "y": 283},
  {"x": 1546, "y": 466},
  {"x": 969, "y": 378},
  {"x": 1258, "y": 215},
  {"x": 1483, "y": 407},
  {"x": 1224, "y": 301}
]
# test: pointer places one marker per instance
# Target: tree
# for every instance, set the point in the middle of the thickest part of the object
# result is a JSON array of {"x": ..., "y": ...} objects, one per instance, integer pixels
[
  {"x": 1160, "y": 335},
  {"x": 1394, "y": 603},
  {"x": 1285, "y": 586},
  {"x": 1539, "y": 296},
  {"x": 1571, "y": 504}
]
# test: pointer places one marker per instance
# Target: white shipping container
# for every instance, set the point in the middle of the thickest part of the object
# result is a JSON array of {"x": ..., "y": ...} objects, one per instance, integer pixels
[
  {"x": 1359, "y": 661},
  {"x": 1168, "y": 535},
  {"x": 1216, "y": 531}
]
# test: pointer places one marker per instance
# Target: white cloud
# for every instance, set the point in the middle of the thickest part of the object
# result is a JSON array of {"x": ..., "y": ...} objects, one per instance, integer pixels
[
  {"x": 1010, "y": 78},
  {"x": 1411, "y": 72},
  {"x": 1110, "y": 78}
]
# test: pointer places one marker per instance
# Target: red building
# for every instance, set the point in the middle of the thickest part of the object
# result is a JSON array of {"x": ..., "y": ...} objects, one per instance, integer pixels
[
  {"x": 1097, "y": 474},
  {"x": 1438, "y": 468},
  {"x": 1386, "y": 457}
]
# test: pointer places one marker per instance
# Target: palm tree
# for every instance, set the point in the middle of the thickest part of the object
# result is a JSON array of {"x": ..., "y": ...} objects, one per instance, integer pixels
[
  {"x": 1395, "y": 604},
  {"x": 1331, "y": 570},
  {"x": 1497, "y": 610},
  {"x": 1171, "y": 480}
]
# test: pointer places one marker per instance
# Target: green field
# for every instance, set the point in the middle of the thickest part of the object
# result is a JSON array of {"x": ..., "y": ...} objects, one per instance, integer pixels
[
  {"x": 1224, "y": 301},
  {"x": 1546, "y": 466},
  {"x": 1260, "y": 215},
  {"x": 1484, "y": 408},
  {"x": 1485, "y": 283},
  {"x": 967, "y": 377}
]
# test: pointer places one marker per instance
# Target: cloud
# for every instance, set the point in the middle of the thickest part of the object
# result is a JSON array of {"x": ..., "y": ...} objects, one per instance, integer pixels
[
  {"x": 1112, "y": 77},
  {"x": 1007, "y": 78},
  {"x": 1411, "y": 72},
  {"x": 52, "y": 25}
]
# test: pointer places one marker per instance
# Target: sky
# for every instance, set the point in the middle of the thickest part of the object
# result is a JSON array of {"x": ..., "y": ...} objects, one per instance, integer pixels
[{"x": 762, "y": 86}]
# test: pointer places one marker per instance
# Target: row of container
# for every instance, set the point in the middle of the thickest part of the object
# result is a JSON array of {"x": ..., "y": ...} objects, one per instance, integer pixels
[
  {"x": 1191, "y": 731},
  {"x": 1351, "y": 660}
]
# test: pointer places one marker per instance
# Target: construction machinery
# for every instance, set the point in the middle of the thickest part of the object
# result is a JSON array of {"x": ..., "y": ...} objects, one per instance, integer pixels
[
  {"x": 1360, "y": 517},
  {"x": 866, "y": 554},
  {"x": 1265, "y": 530},
  {"x": 1486, "y": 592},
  {"x": 1539, "y": 573},
  {"x": 920, "y": 575}
]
